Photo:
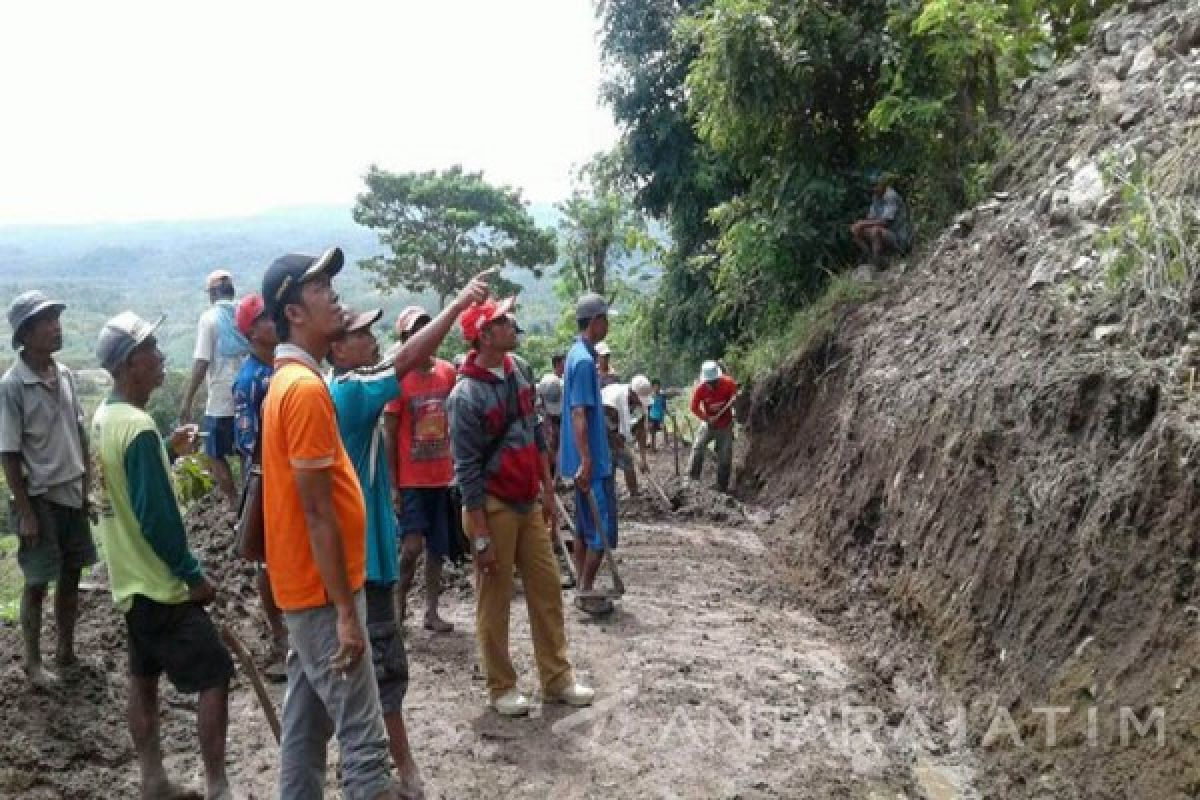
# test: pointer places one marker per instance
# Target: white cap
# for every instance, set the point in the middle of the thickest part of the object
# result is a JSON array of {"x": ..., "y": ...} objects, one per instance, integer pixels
[
  {"x": 642, "y": 388},
  {"x": 120, "y": 335},
  {"x": 602, "y": 349},
  {"x": 710, "y": 371}
]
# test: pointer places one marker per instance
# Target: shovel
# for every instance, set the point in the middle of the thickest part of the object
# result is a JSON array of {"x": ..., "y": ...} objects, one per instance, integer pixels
[
  {"x": 618, "y": 585},
  {"x": 562, "y": 545}
]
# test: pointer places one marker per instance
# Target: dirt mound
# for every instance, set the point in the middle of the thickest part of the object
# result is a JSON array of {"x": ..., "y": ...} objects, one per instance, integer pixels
[
  {"x": 1001, "y": 451},
  {"x": 74, "y": 742}
]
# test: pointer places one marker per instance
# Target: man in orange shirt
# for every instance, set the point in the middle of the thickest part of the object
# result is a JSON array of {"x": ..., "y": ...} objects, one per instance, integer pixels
[
  {"x": 712, "y": 403},
  {"x": 315, "y": 520},
  {"x": 418, "y": 445}
]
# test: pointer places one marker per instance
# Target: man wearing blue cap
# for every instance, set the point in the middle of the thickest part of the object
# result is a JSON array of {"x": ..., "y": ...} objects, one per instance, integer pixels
[{"x": 45, "y": 454}]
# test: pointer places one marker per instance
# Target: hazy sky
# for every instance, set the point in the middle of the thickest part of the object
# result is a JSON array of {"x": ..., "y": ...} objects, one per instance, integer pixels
[{"x": 123, "y": 110}]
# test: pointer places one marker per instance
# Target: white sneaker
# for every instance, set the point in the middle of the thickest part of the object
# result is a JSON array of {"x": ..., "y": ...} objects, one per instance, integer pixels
[
  {"x": 511, "y": 704},
  {"x": 576, "y": 695}
]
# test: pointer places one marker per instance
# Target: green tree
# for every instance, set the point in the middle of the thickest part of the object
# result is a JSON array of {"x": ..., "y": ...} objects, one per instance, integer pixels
[
  {"x": 442, "y": 228},
  {"x": 678, "y": 177},
  {"x": 600, "y": 228}
]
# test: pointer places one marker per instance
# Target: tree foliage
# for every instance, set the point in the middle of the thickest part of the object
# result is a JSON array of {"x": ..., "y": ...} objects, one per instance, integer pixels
[
  {"x": 600, "y": 227},
  {"x": 751, "y": 125},
  {"x": 441, "y": 228}
]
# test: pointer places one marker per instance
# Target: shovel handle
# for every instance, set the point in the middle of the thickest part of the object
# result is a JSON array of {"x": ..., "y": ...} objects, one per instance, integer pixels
[{"x": 598, "y": 520}]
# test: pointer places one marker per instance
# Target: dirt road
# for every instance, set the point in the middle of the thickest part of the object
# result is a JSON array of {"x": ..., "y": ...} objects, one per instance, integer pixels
[{"x": 712, "y": 684}]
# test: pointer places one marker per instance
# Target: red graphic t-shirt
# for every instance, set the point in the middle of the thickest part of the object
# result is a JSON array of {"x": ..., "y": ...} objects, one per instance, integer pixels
[{"x": 423, "y": 433}]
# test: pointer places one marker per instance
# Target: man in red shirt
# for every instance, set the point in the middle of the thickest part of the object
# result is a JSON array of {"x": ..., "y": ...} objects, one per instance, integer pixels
[
  {"x": 418, "y": 443},
  {"x": 712, "y": 402}
]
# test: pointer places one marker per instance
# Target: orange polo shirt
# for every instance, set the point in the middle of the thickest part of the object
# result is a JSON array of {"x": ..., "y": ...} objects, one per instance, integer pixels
[{"x": 300, "y": 432}]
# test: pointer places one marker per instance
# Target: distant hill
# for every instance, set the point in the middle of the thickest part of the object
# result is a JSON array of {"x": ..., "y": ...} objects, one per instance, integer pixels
[{"x": 159, "y": 267}]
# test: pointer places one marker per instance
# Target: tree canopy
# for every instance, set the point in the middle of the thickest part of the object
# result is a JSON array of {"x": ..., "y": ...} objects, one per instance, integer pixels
[
  {"x": 750, "y": 127},
  {"x": 441, "y": 228}
]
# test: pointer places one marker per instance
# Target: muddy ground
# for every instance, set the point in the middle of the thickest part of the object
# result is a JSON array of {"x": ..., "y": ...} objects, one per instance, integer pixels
[{"x": 713, "y": 682}]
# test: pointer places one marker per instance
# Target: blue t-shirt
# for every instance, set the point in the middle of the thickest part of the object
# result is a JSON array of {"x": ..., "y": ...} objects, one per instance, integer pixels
[
  {"x": 249, "y": 389},
  {"x": 359, "y": 401},
  {"x": 658, "y": 407},
  {"x": 581, "y": 389}
]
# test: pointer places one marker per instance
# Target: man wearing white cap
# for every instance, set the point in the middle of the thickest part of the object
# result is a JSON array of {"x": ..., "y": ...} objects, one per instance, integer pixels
[
  {"x": 630, "y": 401},
  {"x": 604, "y": 365},
  {"x": 417, "y": 433},
  {"x": 712, "y": 403},
  {"x": 155, "y": 579},
  {"x": 220, "y": 348},
  {"x": 45, "y": 456}
]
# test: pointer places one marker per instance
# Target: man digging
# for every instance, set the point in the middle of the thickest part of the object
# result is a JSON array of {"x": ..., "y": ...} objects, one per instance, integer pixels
[
  {"x": 154, "y": 578},
  {"x": 45, "y": 457},
  {"x": 508, "y": 497},
  {"x": 712, "y": 403}
]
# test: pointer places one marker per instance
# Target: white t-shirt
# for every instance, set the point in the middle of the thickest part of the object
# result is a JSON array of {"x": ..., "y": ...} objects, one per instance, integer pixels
[
  {"x": 221, "y": 370},
  {"x": 617, "y": 396}
]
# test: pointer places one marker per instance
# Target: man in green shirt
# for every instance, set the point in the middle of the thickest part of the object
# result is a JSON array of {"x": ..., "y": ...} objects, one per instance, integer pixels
[{"x": 155, "y": 579}]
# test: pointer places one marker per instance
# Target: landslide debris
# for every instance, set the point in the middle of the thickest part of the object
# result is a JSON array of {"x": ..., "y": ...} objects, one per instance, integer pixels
[{"x": 1002, "y": 452}]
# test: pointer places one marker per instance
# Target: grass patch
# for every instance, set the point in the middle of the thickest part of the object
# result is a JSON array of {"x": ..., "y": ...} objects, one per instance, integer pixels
[
  {"x": 798, "y": 331},
  {"x": 11, "y": 581}
]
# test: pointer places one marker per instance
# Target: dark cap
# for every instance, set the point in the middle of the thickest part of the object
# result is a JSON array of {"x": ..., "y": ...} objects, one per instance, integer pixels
[
  {"x": 292, "y": 270},
  {"x": 590, "y": 306},
  {"x": 25, "y": 307}
]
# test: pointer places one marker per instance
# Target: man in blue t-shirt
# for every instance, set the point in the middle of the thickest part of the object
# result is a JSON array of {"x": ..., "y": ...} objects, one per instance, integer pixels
[
  {"x": 583, "y": 447},
  {"x": 249, "y": 389}
]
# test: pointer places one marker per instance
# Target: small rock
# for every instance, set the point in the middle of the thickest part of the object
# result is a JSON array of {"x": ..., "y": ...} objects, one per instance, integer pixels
[
  {"x": 1087, "y": 189},
  {"x": 1083, "y": 264},
  {"x": 1112, "y": 40},
  {"x": 1131, "y": 115},
  {"x": 1045, "y": 272},
  {"x": 1069, "y": 73},
  {"x": 1107, "y": 333},
  {"x": 1188, "y": 36},
  {"x": 1143, "y": 61},
  {"x": 1042, "y": 205}
]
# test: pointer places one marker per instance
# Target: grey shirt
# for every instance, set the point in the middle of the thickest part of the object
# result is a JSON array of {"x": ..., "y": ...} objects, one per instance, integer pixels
[
  {"x": 891, "y": 209},
  {"x": 43, "y": 423}
]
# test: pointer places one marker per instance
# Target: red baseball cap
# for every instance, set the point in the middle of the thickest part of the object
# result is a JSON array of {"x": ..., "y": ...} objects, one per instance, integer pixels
[
  {"x": 248, "y": 311},
  {"x": 475, "y": 317}
]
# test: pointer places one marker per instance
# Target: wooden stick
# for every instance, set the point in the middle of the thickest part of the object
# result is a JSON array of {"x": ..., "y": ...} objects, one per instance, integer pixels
[{"x": 260, "y": 690}]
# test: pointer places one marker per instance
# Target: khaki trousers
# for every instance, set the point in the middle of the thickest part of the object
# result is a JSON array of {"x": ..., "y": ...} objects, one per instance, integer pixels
[{"x": 524, "y": 541}]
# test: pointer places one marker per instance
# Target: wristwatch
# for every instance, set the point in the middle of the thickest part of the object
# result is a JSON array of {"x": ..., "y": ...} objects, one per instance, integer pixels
[{"x": 482, "y": 543}]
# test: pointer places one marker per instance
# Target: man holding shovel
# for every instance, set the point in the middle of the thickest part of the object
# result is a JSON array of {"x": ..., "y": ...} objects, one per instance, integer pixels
[
  {"x": 712, "y": 403},
  {"x": 155, "y": 579},
  {"x": 583, "y": 450}
]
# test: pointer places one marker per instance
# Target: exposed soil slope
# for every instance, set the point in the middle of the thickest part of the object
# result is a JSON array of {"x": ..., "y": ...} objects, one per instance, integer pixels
[{"x": 1003, "y": 454}]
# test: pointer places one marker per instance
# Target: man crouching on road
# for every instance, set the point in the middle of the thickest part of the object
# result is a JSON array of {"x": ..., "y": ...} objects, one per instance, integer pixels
[
  {"x": 155, "y": 579},
  {"x": 315, "y": 523},
  {"x": 501, "y": 467},
  {"x": 359, "y": 399}
]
